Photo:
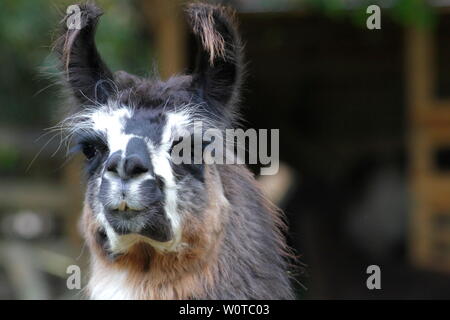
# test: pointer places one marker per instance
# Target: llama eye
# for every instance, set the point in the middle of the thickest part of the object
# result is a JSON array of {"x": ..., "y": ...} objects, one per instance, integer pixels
[{"x": 89, "y": 151}]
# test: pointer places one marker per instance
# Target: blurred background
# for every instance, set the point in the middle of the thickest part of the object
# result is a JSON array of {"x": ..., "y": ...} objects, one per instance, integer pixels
[{"x": 364, "y": 119}]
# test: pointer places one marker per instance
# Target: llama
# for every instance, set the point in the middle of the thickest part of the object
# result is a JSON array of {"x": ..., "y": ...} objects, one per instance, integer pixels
[{"x": 155, "y": 229}]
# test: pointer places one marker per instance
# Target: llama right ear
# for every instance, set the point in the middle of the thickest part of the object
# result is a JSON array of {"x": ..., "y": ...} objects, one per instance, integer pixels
[
  {"x": 84, "y": 70},
  {"x": 218, "y": 69}
]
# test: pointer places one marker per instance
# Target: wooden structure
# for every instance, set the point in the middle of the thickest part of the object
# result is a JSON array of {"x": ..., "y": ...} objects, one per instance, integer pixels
[
  {"x": 166, "y": 21},
  {"x": 429, "y": 139}
]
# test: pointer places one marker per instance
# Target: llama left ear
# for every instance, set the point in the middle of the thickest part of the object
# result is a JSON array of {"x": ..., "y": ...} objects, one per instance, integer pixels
[
  {"x": 84, "y": 70},
  {"x": 218, "y": 69}
]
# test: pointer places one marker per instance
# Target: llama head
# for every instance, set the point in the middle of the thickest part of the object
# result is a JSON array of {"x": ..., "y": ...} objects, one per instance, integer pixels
[{"x": 127, "y": 127}]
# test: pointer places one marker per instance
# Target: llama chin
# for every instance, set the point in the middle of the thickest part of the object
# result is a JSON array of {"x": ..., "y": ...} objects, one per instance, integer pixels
[{"x": 157, "y": 229}]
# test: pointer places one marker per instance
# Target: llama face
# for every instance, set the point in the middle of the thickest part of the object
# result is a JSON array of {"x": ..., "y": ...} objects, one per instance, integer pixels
[
  {"x": 128, "y": 126},
  {"x": 134, "y": 185}
]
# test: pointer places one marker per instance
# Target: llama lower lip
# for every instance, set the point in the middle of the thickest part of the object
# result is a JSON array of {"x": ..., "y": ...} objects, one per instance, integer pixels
[
  {"x": 125, "y": 214},
  {"x": 161, "y": 232},
  {"x": 126, "y": 222},
  {"x": 150, "y": 223}
]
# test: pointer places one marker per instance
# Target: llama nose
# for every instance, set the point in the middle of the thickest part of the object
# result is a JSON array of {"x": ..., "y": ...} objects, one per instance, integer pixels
[{"x": 132, "y": 166}]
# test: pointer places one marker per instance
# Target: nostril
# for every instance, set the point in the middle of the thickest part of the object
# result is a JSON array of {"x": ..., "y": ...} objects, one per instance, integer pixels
[
  {"x": 138, "y": 169},
  {"x": 112, "y": 167},
  {"x": 113, "y": 163},
  {"x": 135, "y": 166}
]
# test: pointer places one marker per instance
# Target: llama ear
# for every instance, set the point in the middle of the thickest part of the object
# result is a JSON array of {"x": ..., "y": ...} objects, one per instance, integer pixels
[
  {"x": 218, "y": 69},
  {"x": 85, "y": 72}
]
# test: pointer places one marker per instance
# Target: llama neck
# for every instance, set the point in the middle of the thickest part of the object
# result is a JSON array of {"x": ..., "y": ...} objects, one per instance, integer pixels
[{"x": 146, "y": 274}]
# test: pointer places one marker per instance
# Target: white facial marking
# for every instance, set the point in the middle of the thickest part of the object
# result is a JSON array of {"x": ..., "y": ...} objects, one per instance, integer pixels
[
  {"x": 175, "y": 126},
  {"x": 111, "y": 122}
]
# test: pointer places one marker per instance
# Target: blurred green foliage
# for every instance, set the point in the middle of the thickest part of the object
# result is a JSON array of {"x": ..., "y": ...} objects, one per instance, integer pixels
[
  {"x": 8, "y": 157},
  {"x": 28, "y": 67},
  {"x": 415, "y": 13}
]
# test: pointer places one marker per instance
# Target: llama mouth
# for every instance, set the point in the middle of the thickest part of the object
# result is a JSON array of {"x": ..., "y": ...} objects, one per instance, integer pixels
[
  {"x": 129, "y": 216},
  {"x": 151, "y": 223},
  {"x": 125, "y": 207}
]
